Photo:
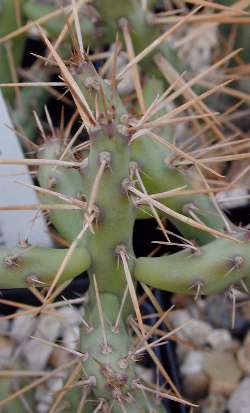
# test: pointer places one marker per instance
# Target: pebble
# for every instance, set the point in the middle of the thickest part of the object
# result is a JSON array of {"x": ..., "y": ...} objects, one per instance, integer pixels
[
  {"x": 243, "y": 355},
  {"x": 214, "y": 403},
  {"x": 59, "y": 357},
  {"x": 195, "y": 381},
  {"x": 45, "y": 393},
  {"x": 4, "y": 326},
  {"x": 222, "y": 370},
  {"x": 22, "y": 326},
  {"x": 198, "y": 57},
  {"x": 6, "y": 348},
  {"x": 239, "y": 401},
  {"x": 193, "y": 363},
  {"x": 234, "y": 198},
  {"x": 196, "y": 331},
  {"x": 36, "y": 352},
  {"x": 220, "y": 339},
  {"x": 219, "y": 313},
  {"x": 70, "y": 321},
  {"x": 69, "y": 315},
  {"x": 195, "y": 387}
]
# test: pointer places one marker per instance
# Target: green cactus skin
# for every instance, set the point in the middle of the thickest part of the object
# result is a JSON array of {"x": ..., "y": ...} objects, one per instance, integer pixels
[
  {"x": 35, "y": 9},
  {"x": 111, "y": 366},
  {"x": 14, "y": 405},
  {"x": 66, "y": 181},
  {"x": 116, "y": 214},
  {"x": 8, "y": 23},
  {"x": 142, "y": 32},
  {"x": 213, "y": 268},
  {"x": 19, "y": 266},
  {"x": 31, "y": 99},
  {"x": 158, "y": 177},
  {"x": 7, "y": 385},
  {"x": 152, "y": 158}
]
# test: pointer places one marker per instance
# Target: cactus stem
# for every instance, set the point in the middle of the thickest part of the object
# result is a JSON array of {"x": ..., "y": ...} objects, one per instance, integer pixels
[
  {"x": 10, "y": 261},
  {"x": 237, "y": 262},
  {"x": 69, "y": 254},
  {"x": 121, "y": 250},
  {"x": 197, "y": 286},
  {"x": 19, "y": 267},
  {"x": 181, "y": 217},
  {"x": 116, "y": 327},
  {"x": 206, "y": 273},
  {"x": 151, "y": 205},
  {"x": 106, "y": 348}
]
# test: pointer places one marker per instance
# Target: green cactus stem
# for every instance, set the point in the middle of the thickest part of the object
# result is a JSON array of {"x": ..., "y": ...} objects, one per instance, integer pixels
[
  {"x": 152, "y": 159},
  {"x": 14, "y": 405},
  {"x": 212, "y": 268},
  {"x": 31, "y": 99},
  {"x": 66, "y": 181},
  {"x": 35, "y": 9},
  {"x": 142, "y": 31},
  {"x": 110, "y": 361},
  {"x": 8, "y": 23},
  {"x": 24, "y": 267},
  {"x": 115, "y": 212},
  {"x": 158, "y": 177}
]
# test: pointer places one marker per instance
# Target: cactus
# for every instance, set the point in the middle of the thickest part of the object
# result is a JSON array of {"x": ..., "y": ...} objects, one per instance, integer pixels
[
  {"x": 14, "y": 48},
  {"x": 103, "y": 194},
  {"x": 21, "y": 267}
]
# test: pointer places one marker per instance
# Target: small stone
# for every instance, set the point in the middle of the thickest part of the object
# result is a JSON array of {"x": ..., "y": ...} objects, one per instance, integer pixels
[
  {"x": 195, "y": 387},
  {"x": 22, "y": 326},
  {"x": 236, "y": 197},
  {"x": 59, "y": 357},
  {"x": 42, "y": 408},
  {"x": 214, "y": 403},
  {"x": 221, "y": 340},
  {"x": 36, "y": 352},
  {"x": 243, "y": 355},
  {"x": 46, "y": 392},
  {"x": 195, "y": 331},
  {"x": 178, "y": 317},
  {"x": 199, "y": 56},
  {"x": 182, "y": 351},
  {"x": 70, "y": 320},
  {"x": 219, "y": 313},
  {"x": 193, "y": 363},
  {"x": 239, "y": 401},
  {"x": 195, "y": 381},
  {"x": 55, "y": 384},
  {"x": 42, "y": 395},
  {"x": 4, "y": 326},
  {"x": 223, "y": 371},
  {"x": 6, "y": 347},
  {"x": 69, "y": 315}
]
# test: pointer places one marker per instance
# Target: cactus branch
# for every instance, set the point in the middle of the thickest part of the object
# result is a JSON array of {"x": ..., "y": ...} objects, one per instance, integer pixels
[
  {"x": 24, "y": 267},
  {"x": 213, "y": 268}
]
